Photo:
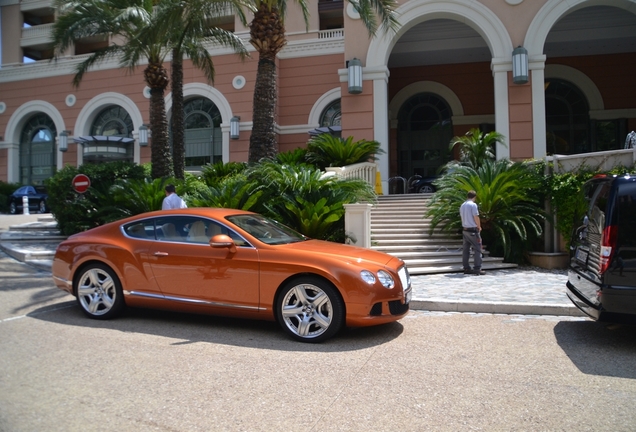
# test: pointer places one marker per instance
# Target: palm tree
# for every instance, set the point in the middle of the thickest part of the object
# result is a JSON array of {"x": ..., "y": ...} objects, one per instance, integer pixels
[
  {"x": 134, "y": 21},
  {"x": 267, "y": 35},
  {"x": 148, "y": 33},
  {"x": 191, "y": 24},
  {"x": 476, "y": 147}
]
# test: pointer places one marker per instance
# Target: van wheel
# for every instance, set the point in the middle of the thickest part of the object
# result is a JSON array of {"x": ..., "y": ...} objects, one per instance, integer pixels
[
  {"x": 12, "y": 208},
  {"x": 99, "y": 292},
  {"x": 310, "y": 310},
  {"x": 42, "y": 206}
]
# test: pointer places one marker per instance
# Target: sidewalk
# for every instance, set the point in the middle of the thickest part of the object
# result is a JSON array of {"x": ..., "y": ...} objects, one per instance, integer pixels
[{"x": 522, "y": 290}]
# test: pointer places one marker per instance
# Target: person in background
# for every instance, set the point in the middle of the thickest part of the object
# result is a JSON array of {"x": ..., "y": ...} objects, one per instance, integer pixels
[
  {"x": 471, "y": 234},
  {"x": 172, "y": 200}
]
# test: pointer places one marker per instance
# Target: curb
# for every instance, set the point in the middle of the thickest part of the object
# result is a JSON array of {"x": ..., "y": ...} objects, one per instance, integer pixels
[{"x": 508, "y": 308}]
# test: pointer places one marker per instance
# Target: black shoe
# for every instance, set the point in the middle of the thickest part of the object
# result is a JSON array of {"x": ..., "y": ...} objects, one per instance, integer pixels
[
  {"x": 468, "y": 271},
  {"x": 479, "y": 272}
]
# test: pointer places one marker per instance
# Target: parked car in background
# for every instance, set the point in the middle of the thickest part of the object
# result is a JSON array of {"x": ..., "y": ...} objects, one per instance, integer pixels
[
  {"x": 37, "y": 199},
  {"x": 602, "y": 274},
  {"x": 233, "y": 263},
  {"x": 419, "y": 184}
]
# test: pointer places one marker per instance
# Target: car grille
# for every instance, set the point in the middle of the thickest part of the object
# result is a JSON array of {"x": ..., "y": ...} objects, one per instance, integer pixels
[{"x": 397, "y": 308}]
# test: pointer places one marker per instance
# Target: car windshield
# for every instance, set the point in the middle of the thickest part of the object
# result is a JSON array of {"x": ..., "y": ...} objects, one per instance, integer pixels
[{"x": 266, "y": 230}]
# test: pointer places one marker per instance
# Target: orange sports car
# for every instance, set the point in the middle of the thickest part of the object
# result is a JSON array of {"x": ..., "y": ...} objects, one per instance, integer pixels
[{"x": 233, "y": 263}]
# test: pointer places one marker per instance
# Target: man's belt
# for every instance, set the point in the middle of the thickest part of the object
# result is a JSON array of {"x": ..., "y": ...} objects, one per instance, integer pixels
[{"x": 471, "y": 229}]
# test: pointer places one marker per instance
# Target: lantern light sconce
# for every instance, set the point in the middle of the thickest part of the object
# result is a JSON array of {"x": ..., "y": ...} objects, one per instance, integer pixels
[
  {"x": 143, "y": 135},
  {"x": 62, "y": 140},
  {"x": 354, "y": 67},
  {"x": 520, "y": 65},
  {"x": 234, "y": 127}
]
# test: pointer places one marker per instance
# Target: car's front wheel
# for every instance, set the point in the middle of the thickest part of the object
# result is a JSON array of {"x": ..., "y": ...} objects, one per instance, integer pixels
[
  {"x": 13, "y": 208},
  {"x": 310, "y": 310},
  {"x": 42, "y": 206},
  {"x": 99, "y": 292}
]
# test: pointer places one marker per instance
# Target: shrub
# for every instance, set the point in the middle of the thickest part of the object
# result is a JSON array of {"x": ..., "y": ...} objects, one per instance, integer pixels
[
  {"x": 78, "y": 212},
  {"x": 510, "y": 212},
  {"x": 326, "y": 150},
  {"x": 6, "y": 189}
]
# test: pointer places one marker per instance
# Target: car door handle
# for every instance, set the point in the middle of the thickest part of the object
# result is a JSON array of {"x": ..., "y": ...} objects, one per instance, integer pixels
[{"x": 161, "y": 253}]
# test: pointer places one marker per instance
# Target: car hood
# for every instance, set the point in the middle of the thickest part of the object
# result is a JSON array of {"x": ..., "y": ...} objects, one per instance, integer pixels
[{"x": 347, "y": 253}]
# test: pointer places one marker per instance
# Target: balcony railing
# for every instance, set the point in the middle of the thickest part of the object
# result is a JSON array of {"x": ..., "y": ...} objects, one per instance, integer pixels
[
  {"x": 364, "y": 171},
  {"x": 331, "y": 34},
  {"x": 36, "y": 35}
]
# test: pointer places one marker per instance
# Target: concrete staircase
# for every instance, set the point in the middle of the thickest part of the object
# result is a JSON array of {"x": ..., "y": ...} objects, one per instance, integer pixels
[
  {"x": 33, "y": 242},
  {"x": 398, "y": 228}
]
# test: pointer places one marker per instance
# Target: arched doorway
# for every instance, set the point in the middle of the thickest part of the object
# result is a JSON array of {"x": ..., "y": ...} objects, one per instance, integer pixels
[
  {"x": 37, "y": 150},
  {"x": 424, "y": 133},
  {"x": 110, "y": 137},
  {"x": 203, "y": 137},
  {"x": 567, "y": 118}
]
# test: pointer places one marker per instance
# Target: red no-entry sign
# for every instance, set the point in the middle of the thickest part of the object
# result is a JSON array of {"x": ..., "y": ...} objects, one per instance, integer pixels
[{"x": 81, "y": 183}]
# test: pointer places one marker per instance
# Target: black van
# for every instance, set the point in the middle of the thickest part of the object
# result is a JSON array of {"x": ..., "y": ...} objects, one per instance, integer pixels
[{"x": 602, "y": 273}]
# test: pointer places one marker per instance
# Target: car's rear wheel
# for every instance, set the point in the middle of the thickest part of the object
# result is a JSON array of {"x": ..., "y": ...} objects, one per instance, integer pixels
[
  {"x": 310, "y": 310},
  {"x": 99, "y": 292},
  {"x": 12, "y": 208},
  {"x": 42, "y": 206}
]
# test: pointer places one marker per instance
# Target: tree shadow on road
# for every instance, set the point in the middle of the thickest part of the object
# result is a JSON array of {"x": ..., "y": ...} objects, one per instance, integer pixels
[{"x": 598, "y": 348}]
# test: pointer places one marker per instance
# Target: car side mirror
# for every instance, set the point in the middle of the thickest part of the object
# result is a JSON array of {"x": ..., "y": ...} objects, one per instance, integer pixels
[{"x": 220, "y": 241}]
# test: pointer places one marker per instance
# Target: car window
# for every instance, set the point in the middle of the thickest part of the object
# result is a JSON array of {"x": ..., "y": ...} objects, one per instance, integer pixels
[
  {"x": 626, "y": 215},
  {"x": 22, "y": 191},
  {"x": 192, "y": 229},
  {"x": 266, "y": 230},
  {"x": 141, "y": 230}
]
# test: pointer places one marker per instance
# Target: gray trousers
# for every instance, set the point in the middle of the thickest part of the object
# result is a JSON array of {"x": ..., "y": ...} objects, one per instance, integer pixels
[{"x": 471, "y": 240}]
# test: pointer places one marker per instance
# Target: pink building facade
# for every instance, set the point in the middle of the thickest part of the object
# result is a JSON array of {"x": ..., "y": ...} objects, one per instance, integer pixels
[{"x": 449, "y": 68}]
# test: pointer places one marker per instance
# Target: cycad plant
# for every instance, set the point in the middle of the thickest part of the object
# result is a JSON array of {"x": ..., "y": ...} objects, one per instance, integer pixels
[
  {"x": 214, "y": 173},
  {"x": 306, "y": 200},
  {"x": 326, "y": 150},
  {"x": 476, "y": 147},
  {"x": 507, "y": 196},
  {"x": 231, "y": 192}
]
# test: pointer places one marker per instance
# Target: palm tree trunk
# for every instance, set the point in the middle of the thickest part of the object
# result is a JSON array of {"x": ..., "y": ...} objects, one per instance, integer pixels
[
  {"x": 178, "y": 131},
  {"x": 263, "y": 142},
  {"x": 161, "y": 158}
]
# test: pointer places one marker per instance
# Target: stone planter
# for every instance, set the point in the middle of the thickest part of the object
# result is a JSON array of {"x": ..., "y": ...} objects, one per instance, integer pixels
[{"x": 549, "y": 260}]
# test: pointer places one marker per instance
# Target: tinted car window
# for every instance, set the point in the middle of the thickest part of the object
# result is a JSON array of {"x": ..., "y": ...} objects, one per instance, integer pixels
[
  {"x": 626, "y": 215},
  {"x": 192, "y": 229}
]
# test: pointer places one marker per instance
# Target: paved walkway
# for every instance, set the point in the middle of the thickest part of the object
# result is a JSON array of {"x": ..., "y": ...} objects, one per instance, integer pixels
[{"x": 522, "y": 290}]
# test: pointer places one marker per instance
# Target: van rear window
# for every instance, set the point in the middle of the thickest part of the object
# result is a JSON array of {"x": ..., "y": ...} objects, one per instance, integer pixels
[{"x": 626, "y": 214}]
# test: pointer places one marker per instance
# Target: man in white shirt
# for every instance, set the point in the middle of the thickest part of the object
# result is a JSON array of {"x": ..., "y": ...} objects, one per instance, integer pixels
[
  {"x": 172, "y": 200},
  {"x": 471, "y": 234}
]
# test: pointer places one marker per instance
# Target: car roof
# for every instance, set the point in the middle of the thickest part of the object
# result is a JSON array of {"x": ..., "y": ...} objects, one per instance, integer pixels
[{"x": 214, "y": 212}]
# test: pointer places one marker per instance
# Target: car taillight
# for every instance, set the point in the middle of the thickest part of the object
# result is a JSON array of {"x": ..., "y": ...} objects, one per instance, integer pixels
[{"x": 608, "y": 241}]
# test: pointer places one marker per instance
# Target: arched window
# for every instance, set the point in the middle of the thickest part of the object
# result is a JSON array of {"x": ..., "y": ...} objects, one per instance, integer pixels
[
  {"x": 332, "y": 115},
  {"x": 567, "y": 118},
  {"x": 110, "y": 138},
  {"x": 203, "y": 138},
  {"x": 424, "y": 132},
  {"x": 37, "y": 150}
]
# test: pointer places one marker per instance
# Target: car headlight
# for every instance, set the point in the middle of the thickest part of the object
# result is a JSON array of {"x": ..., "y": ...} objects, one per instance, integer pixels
[
  {"x": 367, "y": 276},
  {"x": 385, "y": 279}
]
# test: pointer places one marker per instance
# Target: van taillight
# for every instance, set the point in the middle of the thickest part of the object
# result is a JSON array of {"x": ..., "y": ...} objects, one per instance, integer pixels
[{"x": 608, "y": 244}]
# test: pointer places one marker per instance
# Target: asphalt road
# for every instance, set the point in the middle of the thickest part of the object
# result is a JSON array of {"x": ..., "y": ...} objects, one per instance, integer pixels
[{"x": 158, "y": 371}]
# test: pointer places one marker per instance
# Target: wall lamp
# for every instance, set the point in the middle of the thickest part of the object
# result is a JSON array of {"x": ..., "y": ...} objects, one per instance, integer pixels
[
  {"x": 520, "y": 65},
  {"x": 354, "y": 67},
  {"x": 62, "y": 140},
  {"x": 234, "y": 127},
  {"x": 143, "y": 135}
]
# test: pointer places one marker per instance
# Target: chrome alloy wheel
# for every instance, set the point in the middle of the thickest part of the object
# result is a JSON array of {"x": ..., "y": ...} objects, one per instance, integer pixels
[
  {"x": 97, "y": 292},
  {"x": 307, "y": 311}
]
